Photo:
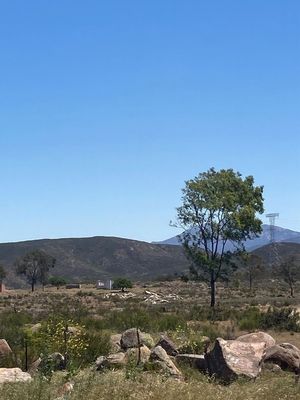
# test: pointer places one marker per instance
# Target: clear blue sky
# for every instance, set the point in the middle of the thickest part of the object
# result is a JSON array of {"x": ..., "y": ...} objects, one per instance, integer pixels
[{"x": 107, "y": 107}]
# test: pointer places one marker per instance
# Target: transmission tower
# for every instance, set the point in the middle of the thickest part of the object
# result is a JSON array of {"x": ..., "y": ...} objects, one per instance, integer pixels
[{"x": 274, "y": 254}]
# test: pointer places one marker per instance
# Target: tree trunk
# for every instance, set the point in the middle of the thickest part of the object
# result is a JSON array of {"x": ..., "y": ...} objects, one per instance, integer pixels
[
  {"x": 32, "y": 286},
  {"x": 292, "y": 290},
  {"x": 250, "y": 282},
  {"x": 212, "y": 289}
]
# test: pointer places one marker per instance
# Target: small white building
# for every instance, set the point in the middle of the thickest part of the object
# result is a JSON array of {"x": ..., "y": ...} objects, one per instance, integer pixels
[{"x": 104, "y": 284}]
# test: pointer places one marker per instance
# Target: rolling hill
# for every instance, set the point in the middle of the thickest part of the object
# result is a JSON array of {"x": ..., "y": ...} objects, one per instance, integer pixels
[{"x": 89, "y": 259}]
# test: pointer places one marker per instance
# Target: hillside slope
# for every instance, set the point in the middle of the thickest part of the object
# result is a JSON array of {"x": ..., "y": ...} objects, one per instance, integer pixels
[{"x": 88, "y": 259}]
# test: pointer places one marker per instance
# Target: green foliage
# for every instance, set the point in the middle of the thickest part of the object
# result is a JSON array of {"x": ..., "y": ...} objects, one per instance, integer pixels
[
  {"x": 149, "y": 320},
  {"x": 64, "y": 336},
  {"x": 57, "y": 281},
  {"x": 219, "y": 207},
  {"x": 122, "y": 283},
  {"x": 35, "y": 266},
  {"x": 281, "y": 319}
]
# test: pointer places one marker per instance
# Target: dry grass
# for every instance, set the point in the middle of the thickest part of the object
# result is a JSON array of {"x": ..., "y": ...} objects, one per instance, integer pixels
[{"x": 147, "y": 386}]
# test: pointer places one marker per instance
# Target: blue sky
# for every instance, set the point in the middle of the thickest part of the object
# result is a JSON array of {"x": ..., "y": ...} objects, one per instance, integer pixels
[{"x": 107, "y": 107}]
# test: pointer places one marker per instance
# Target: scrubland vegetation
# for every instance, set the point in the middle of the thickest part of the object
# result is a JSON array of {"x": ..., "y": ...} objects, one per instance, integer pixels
[{"x": 186, "y": 318}]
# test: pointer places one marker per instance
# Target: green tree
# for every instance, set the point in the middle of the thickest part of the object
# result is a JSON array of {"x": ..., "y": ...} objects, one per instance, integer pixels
[
  {"x": 289, "y": 272},
  {"x": 35, "y": 266},
  {"x": 219, "y": 212},
  {"x": 122, "y": 283},
  {"x": 57, "y": 281},
  {"x": 2, "y": 274}
]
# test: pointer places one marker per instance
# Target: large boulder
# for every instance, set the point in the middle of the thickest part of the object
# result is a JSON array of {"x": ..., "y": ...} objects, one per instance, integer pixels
[
  {"x": 167, "y": 344},
  {"x": 54, "y": 361},
  {"x": 139, "y": 355},
  {"x": 9, "y": 375},
  {"x": 286, "y": 355},
  {"x": 230, "y": 359},
  {"x": 196, "y": 361},
  {"x": 160, "y": 358},
  {"x": 115, "y": 343},
  {"x": 5, "y": 349},
  {"x": 258, "y": 337},
  {"x": 134, "y": 338},
  {"x": 117, "y": 360}
]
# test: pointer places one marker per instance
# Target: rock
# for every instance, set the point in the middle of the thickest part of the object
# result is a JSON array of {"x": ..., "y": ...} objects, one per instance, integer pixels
[
  {"x": 272, "y": 367},
  {"x": 33, "y": 368},
  {"x": 258, "y": 337},
  {"x": 133, "y": 338},
  {"x": 196, "y": 361},
  {"x": 55, "y": 361},
  {"x": 160, "y": 357},
  {"x": 5, "y": 349},
  {"x": 65, "y": 389},
  {"x": 35, "y": 328},
  {"x": 167, "y": 344},
  {"x": 143, "y": 352},
  {"x": 115, "y": 343},
  {"x": 9, "y": 375},
  {"x": 286, "y": 355},
  {"x": 230, "y": 359},
  {"x": 113, "y": 360}
]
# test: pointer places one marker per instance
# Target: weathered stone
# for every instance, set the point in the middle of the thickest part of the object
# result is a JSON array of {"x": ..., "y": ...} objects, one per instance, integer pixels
[
  {"x": 196, "y": 361},
  {"x": 272, "y": 367},
  {"x": 159, "y": 357},
  {"x": 286, "y": 355},
  {"x": 35, "y": 328},
  {"x": 111, "y": 361},
  {"x": 141, "y": 354},
  {"x": 56, "y": 361},
  {"x": 5, "y": 349},
  {"x": 167, "y": 344},
  {"x": 33, "y": 368},
  {"x": 257, "y": 337},
  {"x": 230, "y": 359},
  {"x": 134, "y": 338},
  {"x": 9, "y": 375},
  {"x": 115, "y": 343}
]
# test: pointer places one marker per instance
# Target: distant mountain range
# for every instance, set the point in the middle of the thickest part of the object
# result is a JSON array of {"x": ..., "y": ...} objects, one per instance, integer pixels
[
  {"x": 281, "y": 235},
  {"x": 100, "y": 257},
  {"x": 89, "y": 259}
]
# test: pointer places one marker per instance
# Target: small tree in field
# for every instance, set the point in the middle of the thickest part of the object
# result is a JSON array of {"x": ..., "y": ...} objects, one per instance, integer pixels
[
  {"x": 219, "y": 208},
  {"x": 122, "y": 283},
  {"x": 57, "y": 281},
  {"x": 2, "y": 274},
  {"x": 289, "y": 272},
  {"x": 253, "y": 265},
  {"x": 35, "y": 266}
]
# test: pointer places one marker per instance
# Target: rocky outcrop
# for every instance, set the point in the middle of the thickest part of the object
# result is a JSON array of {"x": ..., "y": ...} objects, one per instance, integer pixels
[
  {"x": 160, "y": 358},
  {"x": 230, "y": 359},
  {"x": 139, "y": 355},
  {"x": 134, "y": 338},
  {"x": 5, "y": 349},
  {"x": 117, "y": 360},
  {"x": 55, "y": 361},
  {"x": 167, "y": 344},
  {"x": 11, "y": 375},
  {"x": 196, "y": 361},
  {"x": 258, "y": 337},
  {"x": 286, "y": 355},
  {"x": 115, "y": 343}
]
